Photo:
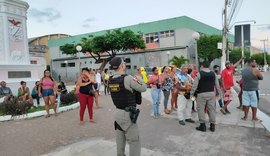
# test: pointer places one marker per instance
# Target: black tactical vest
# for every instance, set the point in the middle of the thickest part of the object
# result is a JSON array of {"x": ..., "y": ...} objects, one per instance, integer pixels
[
  {"x": 121, "y": 97},
  {"x": 206, "y": 82}
]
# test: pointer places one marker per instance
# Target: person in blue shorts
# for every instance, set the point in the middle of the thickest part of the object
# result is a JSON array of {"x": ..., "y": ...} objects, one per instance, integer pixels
[{"x": 250, "y": 97}]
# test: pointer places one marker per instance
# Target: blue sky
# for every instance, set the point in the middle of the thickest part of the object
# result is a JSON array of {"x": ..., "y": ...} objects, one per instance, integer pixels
[{"x": 83, "y": 16}]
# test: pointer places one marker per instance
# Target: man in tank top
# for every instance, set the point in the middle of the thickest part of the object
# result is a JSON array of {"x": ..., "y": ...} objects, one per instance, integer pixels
[{"x": 250, "y": 97}]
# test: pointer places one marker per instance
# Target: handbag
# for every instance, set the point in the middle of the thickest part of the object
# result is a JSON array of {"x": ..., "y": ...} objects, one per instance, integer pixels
[
  {"x": 91, "y": 90},
  {"x": 187, "y": 95}
]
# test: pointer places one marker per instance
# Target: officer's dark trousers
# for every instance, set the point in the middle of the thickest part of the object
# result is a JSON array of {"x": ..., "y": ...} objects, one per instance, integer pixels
[{"x": 130, "y": 134}]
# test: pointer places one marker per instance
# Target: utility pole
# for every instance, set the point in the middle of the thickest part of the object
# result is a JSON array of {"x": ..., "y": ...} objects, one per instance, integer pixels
[
  {"x": 224, "y": 36},
  {"x": 264, "y": 54}
]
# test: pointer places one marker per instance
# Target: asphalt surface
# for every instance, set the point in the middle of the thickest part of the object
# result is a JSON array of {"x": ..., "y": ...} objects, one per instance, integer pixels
[
  {"x": 42, "y": 135},
  {"x": 264, "y": 86}
]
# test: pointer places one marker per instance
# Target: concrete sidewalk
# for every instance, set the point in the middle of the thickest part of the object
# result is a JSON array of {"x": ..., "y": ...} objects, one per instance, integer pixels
[{"x": 232, "y": 137}]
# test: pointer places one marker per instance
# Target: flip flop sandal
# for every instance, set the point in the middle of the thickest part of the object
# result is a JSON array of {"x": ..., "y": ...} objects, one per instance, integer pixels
[{"x": 245, "y": 119}]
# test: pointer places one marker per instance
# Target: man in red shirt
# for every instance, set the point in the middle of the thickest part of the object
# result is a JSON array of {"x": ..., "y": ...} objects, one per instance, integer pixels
[{"x": 227, "y": 82}]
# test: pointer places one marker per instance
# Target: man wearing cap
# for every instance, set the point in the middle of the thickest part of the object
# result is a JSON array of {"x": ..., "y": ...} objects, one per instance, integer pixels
[
  {"x": 227, "y": 82},
  {"x": 124, "y": 89}
]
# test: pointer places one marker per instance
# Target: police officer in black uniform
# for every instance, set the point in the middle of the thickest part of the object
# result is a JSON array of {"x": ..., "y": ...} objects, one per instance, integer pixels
[{"x": 126, "y": 94}]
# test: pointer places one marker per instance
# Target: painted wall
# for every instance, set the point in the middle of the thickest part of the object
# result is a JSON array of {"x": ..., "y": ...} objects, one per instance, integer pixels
[
  {"x": 137, "y": 60},
  {"x": 167, "y": 42}
]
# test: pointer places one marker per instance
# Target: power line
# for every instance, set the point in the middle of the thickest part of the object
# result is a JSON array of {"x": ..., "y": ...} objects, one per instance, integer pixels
[{"x": 234, "y": 11}]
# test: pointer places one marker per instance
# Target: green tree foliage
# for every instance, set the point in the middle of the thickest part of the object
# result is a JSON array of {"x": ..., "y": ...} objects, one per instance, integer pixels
[
  {"x": 207, "y": 47},
  {"x": 110, "y": 44},
  {"x": 68, "y": 49},
  {"x": 260, "y": 58},
  {"x": 236, "y": 54},
  {"x": 178, "y": 61}
]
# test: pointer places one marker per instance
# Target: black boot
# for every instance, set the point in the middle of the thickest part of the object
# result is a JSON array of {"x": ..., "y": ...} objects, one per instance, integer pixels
[
  {"x": 212, "y": 127},
  {"x": 202, "y": 127}
]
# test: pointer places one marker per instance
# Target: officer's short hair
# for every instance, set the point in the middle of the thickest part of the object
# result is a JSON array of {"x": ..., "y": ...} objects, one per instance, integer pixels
[{"x": 116, "y": 62}]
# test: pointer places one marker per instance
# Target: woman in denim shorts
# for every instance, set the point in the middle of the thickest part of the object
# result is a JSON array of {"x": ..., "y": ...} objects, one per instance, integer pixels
[{"x": 47, "y": 89}]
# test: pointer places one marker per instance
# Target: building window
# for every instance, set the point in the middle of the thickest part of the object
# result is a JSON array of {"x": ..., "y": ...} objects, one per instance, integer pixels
[
  {"x": 72, "y": 64},
  {"x": 128, "y": 66},
  {"x": 19, "y": 74},
  {"x": 127, "y": 60},
  {"x": 151, "y": 38},
  {"x": 168, "y": 33},
  {"x": 33, "y": 62},
  {"x": 63, "y": 64}
]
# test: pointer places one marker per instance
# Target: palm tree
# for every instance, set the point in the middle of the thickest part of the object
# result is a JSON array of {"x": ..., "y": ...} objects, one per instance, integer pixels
[{"x": 178, "y": 61}]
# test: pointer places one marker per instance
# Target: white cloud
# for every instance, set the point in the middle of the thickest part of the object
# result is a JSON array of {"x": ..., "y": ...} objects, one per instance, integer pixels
[
  {"x": 48, "y": 14},
  {"x": 87, "y": 22}
]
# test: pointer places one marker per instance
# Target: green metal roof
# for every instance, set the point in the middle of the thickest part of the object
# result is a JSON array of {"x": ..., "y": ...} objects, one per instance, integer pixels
[{"x": 150, "y": 27}]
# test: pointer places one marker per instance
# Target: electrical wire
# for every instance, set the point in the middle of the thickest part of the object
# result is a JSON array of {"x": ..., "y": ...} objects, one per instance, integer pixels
[{"x": 234, "y": 11}]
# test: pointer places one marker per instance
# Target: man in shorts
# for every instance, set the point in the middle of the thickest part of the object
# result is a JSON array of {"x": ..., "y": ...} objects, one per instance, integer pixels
[
  {"x": 227, "y": 82},
  {"x": 250, "y": 96}
]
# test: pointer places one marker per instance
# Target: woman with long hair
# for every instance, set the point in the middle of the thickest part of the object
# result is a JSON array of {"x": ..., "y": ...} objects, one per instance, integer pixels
[
  {"x": 48, "y": 90},
  {"x": 86, "y": 94},
  {"x": 167, "y": 85},
  {"x": 174, "y": 89},
  {"x": 155, "y": 82}
]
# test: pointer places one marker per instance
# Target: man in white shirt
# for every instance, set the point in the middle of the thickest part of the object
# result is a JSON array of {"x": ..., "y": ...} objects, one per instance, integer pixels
[{"x": 98, "y": 80}]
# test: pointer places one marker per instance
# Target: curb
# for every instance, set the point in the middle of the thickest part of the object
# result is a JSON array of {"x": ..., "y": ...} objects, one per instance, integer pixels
[{"x": 38, "y": 113}]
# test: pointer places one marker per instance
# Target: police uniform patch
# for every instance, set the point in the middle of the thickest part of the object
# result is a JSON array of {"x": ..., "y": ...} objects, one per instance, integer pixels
[{"x": 114, "y": 87}]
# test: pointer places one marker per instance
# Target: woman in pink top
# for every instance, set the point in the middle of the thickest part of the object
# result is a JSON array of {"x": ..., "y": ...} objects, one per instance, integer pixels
[
  {"x": 48, "y": 91},
  {"x": 155, "y": 82}
]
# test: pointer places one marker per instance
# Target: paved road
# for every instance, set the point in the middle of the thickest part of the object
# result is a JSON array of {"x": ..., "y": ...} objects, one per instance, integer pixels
[
  {"x": 265, "y": 93},
  {"x": 41, "y": 136}
]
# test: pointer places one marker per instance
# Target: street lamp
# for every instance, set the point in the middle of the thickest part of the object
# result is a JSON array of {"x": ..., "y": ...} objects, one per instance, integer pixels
[
  {"x": 196, "y": 37},
  {"x": 66, "y": 62},
  {"x": 242, "y": 37},
  {"x": 168, "y": 56},
  {"x": 79, "y": 49}
]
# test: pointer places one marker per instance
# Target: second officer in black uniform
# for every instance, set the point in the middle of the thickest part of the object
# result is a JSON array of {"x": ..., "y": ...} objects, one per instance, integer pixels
[{"x": 126, "y": 94}]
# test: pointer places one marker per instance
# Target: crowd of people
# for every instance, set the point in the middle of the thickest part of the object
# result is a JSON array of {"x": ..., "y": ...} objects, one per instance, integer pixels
[
  {"x": 190, "y": 91},
  {"x": 205, "y": 88},
  {"x": 176, "y": 84}
]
